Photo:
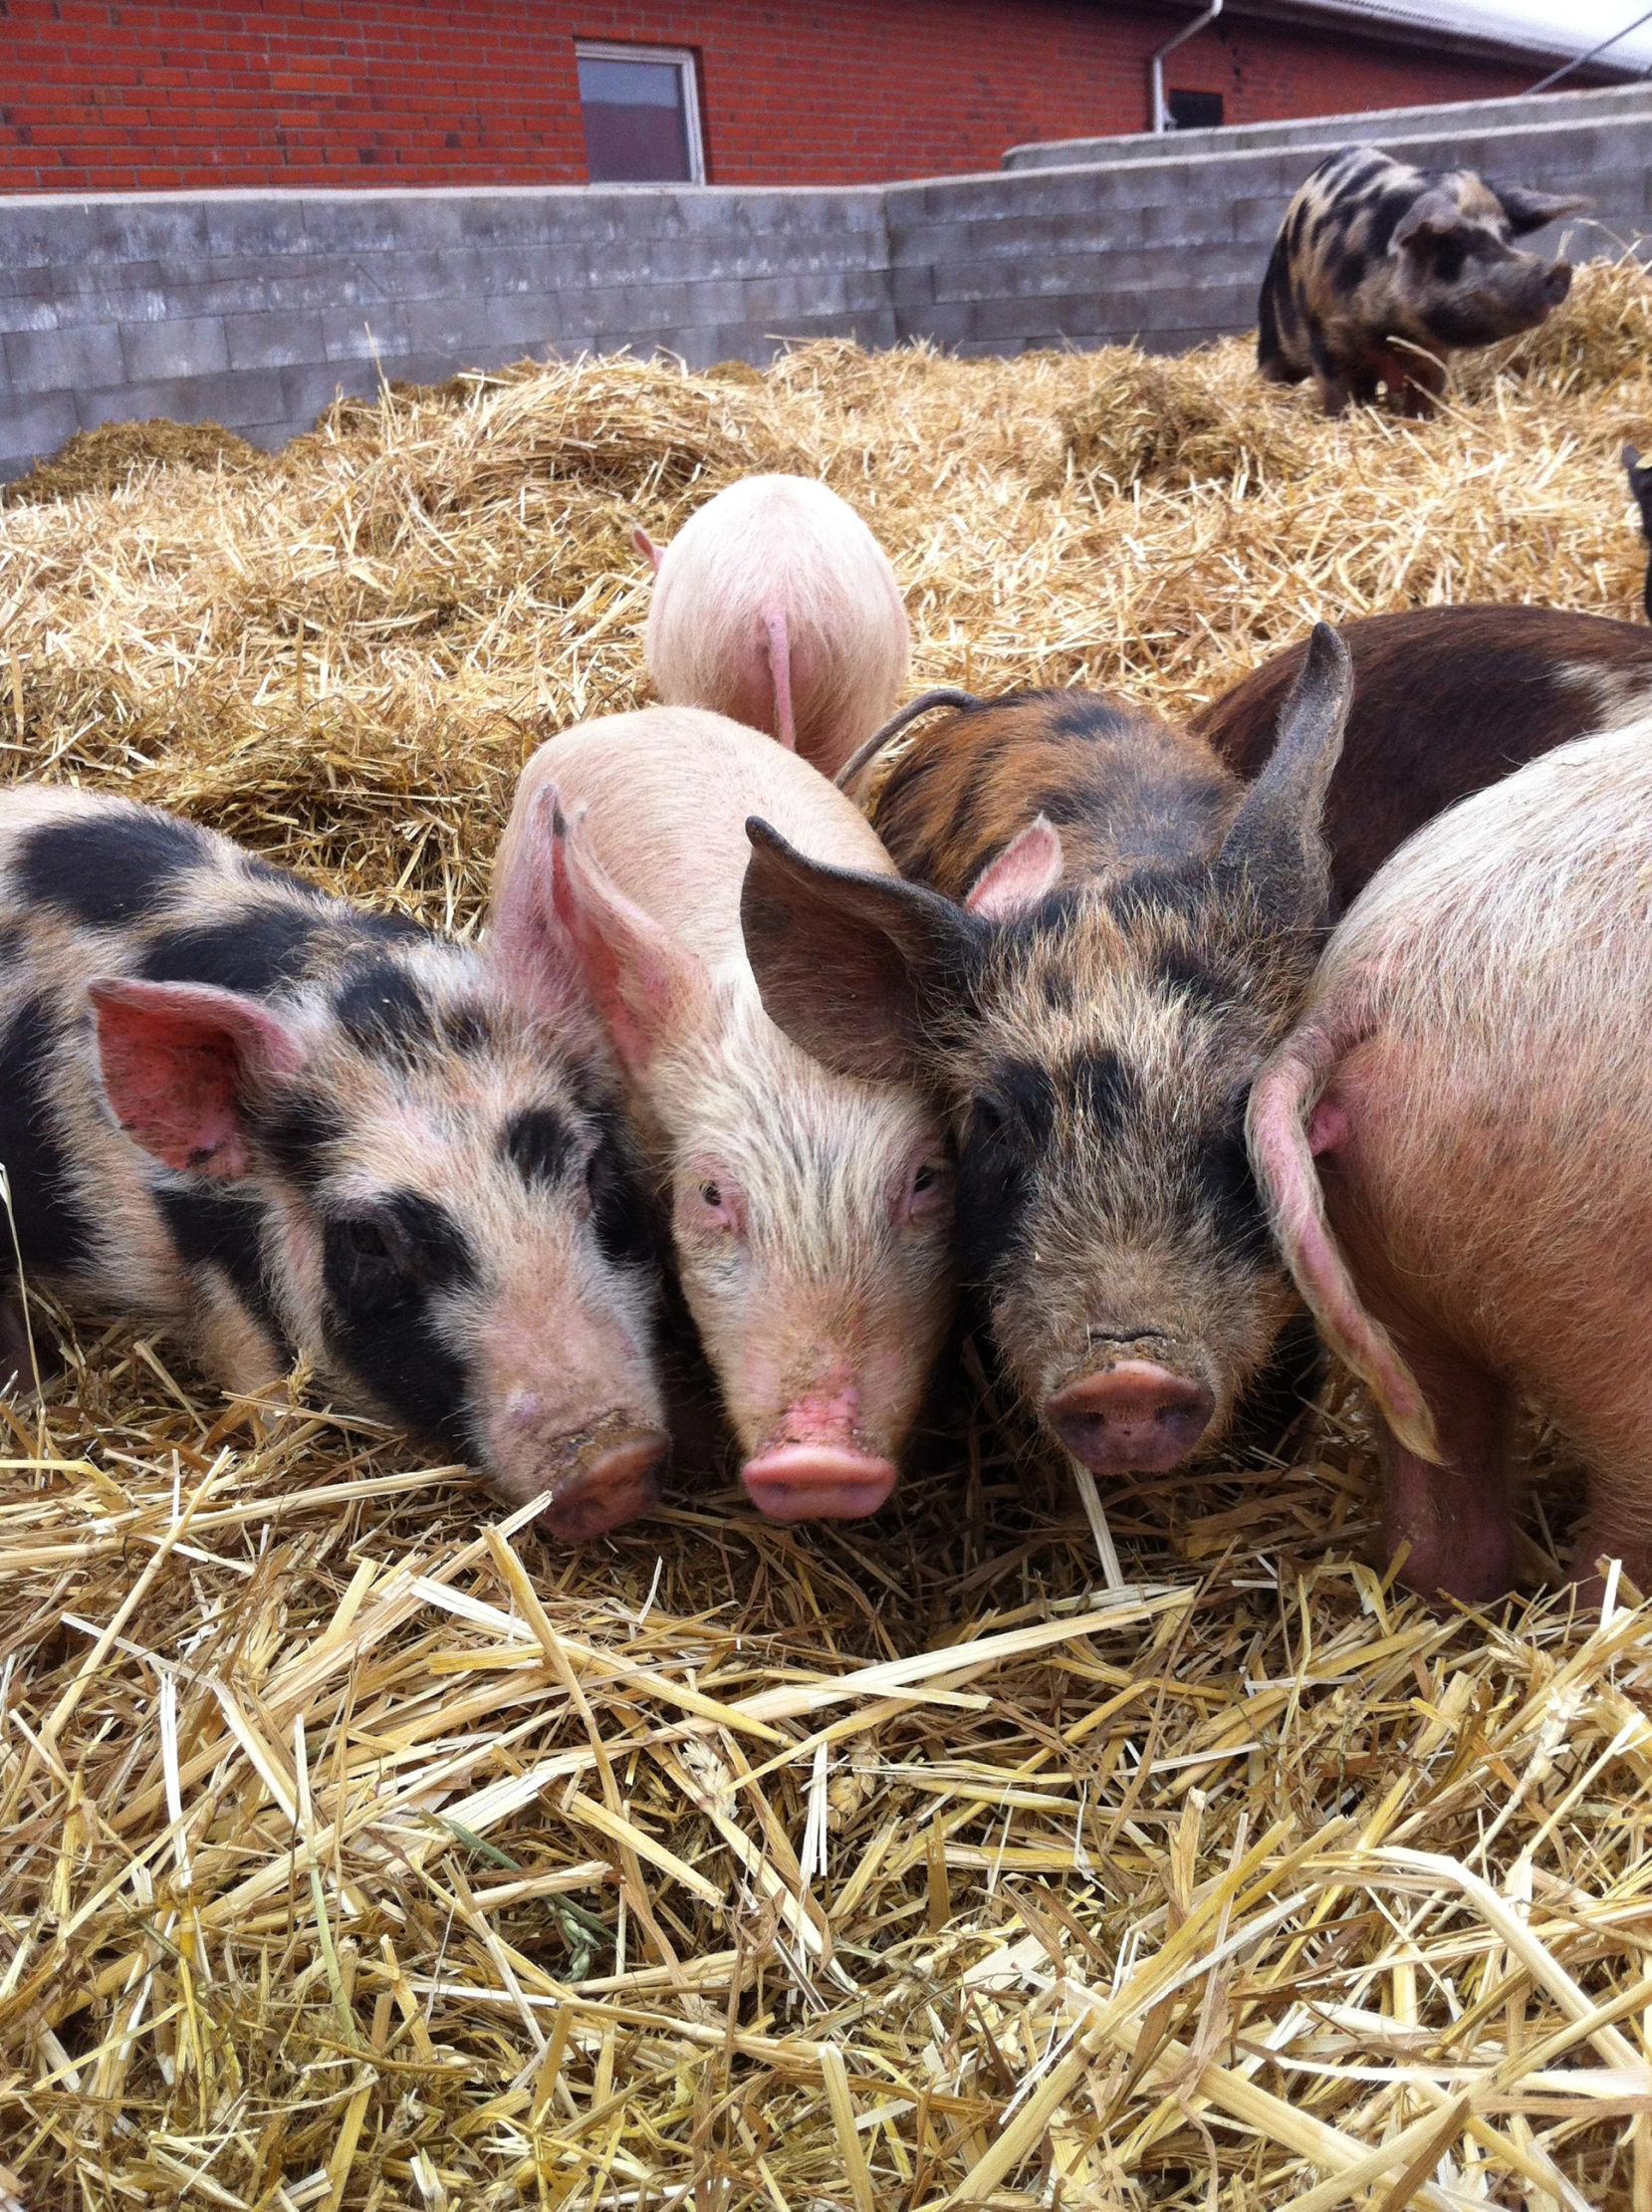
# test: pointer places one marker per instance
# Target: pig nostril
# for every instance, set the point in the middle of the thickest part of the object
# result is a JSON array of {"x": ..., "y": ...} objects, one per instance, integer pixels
[
  {"x": 1133, "y": 1418},
  {"x": 619, "y": 1485}
]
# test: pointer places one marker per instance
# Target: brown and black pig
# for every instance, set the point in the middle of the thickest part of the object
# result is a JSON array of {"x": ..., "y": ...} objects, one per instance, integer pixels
[
  {"x": 775, "y": 605},
  {"x": 1455, "y": 1148},
  {"x": 1446, "y": 700},
  {"x": 811, "y": 1211},
  {"x": 1105, "y": 938},
  {"x": 280, "y": 1127},
  {"x": 1381, "y": 270}
]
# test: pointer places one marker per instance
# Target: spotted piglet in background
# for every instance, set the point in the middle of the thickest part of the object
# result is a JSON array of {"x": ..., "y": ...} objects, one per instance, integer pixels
[
  {"x": 775, "y": 605},
  {"x": 812, "y": 1213},
  {"x": 277, "y": 1127},
  {"x": 1455, "y": 1148},
  {"x": 1380, "y": 270}
]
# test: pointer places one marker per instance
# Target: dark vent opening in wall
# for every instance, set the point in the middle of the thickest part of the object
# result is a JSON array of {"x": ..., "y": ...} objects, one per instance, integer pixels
[{"x": 1195, "y": 110}]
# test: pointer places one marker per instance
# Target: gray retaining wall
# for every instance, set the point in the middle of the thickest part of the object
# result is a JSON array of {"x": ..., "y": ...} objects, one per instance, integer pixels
[{"x": 256, "y": 309}]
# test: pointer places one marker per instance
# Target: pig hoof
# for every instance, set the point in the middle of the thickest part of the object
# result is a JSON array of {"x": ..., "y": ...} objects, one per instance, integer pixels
[
  {"x": 620, "y": 1484},
  {"x": 1134, "y": 1418},
  {"x": 816, "y": 1482}
]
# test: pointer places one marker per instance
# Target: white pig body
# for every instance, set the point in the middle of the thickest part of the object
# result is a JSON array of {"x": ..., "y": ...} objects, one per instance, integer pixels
[
  {"x": 811, "y": 1213},
  {"x": 775, "y": 605},
  {"x": 1455, "y": 1148}
]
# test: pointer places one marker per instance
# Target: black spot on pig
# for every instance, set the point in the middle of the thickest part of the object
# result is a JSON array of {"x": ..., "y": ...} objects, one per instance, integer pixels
[
  {"x": 299, "y": 1133},
  {"x": 254, "y": 950},
  {"x": 1105, "y": 1092},
  {"x": 1007, "y": 1124},
  {"x": 383, "y": 1270},
  {"x": 54, "y": 1233},
  {"x": 628, "y": 1226},
  {"x": 1226, "y": 1195},
  {"x": 224, "y": 1229},
  {"x": 108, "y": 870},
  {"x": 540, "y": 1145},
  {"x": 382, "y": 1011}
]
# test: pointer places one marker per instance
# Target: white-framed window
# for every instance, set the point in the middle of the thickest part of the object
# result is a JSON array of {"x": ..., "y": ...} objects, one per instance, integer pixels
[{"x": 641, "y": 108}]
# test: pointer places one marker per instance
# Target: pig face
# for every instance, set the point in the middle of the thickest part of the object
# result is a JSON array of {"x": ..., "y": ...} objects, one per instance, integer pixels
[
  {"x": 1462, "y": 280},
  {"x": 1094, "y": 1049},
  {"x": 353, "y": 1144},
  {"x": 812, "y": 1217}
]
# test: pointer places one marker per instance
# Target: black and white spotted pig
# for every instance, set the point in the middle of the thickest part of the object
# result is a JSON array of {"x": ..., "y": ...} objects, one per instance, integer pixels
[
  {"x": 1380, "y": 270},
  {"x": 275, "y": 1126}
]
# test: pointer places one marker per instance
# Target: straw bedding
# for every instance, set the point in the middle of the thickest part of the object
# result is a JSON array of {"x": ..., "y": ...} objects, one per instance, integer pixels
[{"x": 360, "y": 1851}]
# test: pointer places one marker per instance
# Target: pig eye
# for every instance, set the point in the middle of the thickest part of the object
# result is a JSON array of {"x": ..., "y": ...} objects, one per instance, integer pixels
[
  {"x": 926, "y": 1189},
  {"x": 717, "y": 1205},
  {"x": 375, "y": 1253}
]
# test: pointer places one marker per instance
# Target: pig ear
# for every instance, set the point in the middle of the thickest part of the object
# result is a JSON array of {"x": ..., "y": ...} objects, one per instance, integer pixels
[
  {"x": 531, "y": 953},
  {"x": 646, "y": 545},
  {"x": 1028, "y": 869},
  {"x": 1275, "y": 841},
  {"x": 851, "y": 967},
  {"x": 646, "y": 988},
  {"x": 180, "y": 1062},
  {"x": 1527, "y": 210},
  {"x": 1431, "y": 215}
]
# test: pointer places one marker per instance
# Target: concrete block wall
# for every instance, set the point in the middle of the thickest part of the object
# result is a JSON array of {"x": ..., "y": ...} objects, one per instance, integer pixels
[{"x": 257, "y": 308}]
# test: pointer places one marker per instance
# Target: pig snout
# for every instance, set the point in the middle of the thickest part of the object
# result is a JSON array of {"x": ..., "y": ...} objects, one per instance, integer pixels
[
  {"x": 601, "y": 1476},
  {"x": 1557, "y": 283},
  {"x": 618, "y": 1483},
  {"x": 818, "y": 1482},
  {"x": 815, "y": 1468},
  {"x": 1135, "y": 1417}
]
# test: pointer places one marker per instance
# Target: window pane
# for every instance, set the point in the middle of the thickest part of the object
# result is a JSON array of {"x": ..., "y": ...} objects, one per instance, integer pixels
[
  {"x": 636, "y": 129},
  {"x": 629, "y": 84}
]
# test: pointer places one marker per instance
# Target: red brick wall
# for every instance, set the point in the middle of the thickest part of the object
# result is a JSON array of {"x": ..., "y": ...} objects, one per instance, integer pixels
[{"x": 110, "y": 95}]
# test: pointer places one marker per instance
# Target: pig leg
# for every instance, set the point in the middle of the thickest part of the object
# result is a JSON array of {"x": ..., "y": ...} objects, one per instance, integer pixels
[{"x": 1455, "y": 1517}]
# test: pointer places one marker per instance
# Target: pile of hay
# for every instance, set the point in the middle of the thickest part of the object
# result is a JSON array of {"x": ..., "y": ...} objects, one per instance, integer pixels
[{"x": 360, "y": 1850}]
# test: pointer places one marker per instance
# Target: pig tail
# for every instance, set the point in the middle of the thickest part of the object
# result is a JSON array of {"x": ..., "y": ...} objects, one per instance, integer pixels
[{"x": 926, "y": 702}]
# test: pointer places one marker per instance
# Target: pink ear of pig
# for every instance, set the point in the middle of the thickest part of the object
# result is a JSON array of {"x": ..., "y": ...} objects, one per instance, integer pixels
[
  {"x": 646, "y": 545},
  {"x": 179, "y": 1060},
  {"x": 1028, "y": 869},
  {"x": 647, "y": 989},
  {"x": 532, "y": 953}
]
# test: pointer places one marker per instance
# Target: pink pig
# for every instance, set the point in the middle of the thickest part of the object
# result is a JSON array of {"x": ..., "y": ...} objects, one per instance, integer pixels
[
  {"x": 1455, "y": 1145},
  {"x": 777, "y": 605},
  {"x": 811, "y": 1213}
]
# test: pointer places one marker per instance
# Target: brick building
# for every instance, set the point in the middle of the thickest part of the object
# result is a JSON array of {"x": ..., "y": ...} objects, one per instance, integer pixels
[{"x": 103, "y": 95}]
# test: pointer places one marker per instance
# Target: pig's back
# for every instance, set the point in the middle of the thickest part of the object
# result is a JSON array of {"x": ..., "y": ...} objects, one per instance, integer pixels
[
  {"x": 667, "y": 793},
  {"x": 1523, "y": 912},
  {"x": 1124, "y": 788}
]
